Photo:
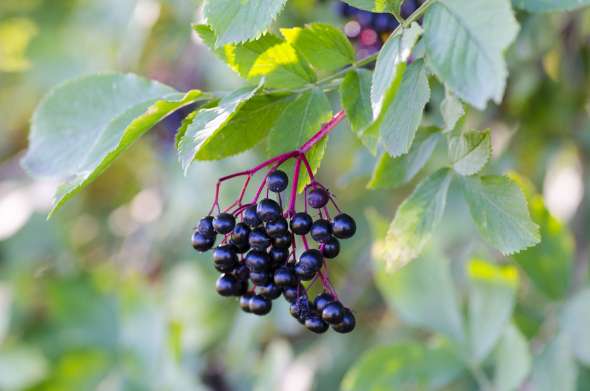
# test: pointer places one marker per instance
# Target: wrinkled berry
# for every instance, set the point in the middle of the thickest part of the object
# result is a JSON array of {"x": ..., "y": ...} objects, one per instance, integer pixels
[
  {"x": 260, "y": 305},
  {"x": 277, "y": 181},
  {"x": 318, "y": 198},
  {"x": 343, "y": 226},
  {"x": 321, "y": 230},
  {"x": 301, "y": 223},
  {"x": 331, "y": 248},
  {"x": 268, "y": 210},
  {"x": 201, "y": 242},
  {"x": 224, "y": 223}
]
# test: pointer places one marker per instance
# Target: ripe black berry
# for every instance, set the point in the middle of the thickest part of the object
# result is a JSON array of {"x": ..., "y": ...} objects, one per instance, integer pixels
[
  {"x": 225, "y": 258},
  {"x": 224, "y": 223},
  {"x": 245, "y": 302},
  {"x": 290, "y": 293},
  {"x": 226, "y": 285},
  {"x": 301, "y": 223},
  {"x": 257, "y": 261},
  {"x": 241, "y": 288},
  {"x": 347, "y": 324},
  {"x": 270, "y": 290},
  {"x": 295, "y": 311},
  {"x": 333, "y": 312},
  {"x": 277, "y": 227},
  {"x": 240, "y": 234},
  {"x": 282, "y": 241},
  {"x": 331, "y": 248},
  {"x": 259, "y": 240},
  {"x": 205, "y": 226},
  {"x": 268, "y": 210},
  {"x": 321, "y": 301},
  {"x": 250, "y": 216},
  {"x": 278, "y": 256},
  {"x": 321, "y": 230},
  {"x": 260, "y": 305},
  {"x": 309, "y": 264},
  {"x": 285, "y": 276},
  {"x": 277, "y": 181},
  {"x": 343, "y": 226},
  {"x": 316, "y": 324},
  {"x": 201, "y": 242},
  {"x": 241, "y": 248},
  {"x": 241, "y": 272},
  {"x": 260, "y": 278},
  {"x": 318, "y": 198}
]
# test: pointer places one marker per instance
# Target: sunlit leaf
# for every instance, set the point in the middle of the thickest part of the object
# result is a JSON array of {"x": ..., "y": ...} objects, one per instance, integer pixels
[
  {"x": 282, "y": 67},
  {"x": 470, "y": 151}
]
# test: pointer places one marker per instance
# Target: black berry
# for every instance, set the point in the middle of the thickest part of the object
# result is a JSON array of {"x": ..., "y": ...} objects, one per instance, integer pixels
[
  {"x": 347, "y": 324},
  {"x": 201, "y": 242},
  {"x": 240, "y": 234},
  {"x": 278, "y": 256},
  {"x": 290, "y": 293},
  {"x": 270, "y": 291},
  {"x": 268, "y": 210},
  {"x": 241, "y": 272},
  {"x": 259, "y": 240},
  {"x": 260, "y": 305},
  {"x": 321, "y": 301},
  {"x": 205, "y": 226},
  {"x": 225, "y": 258},
  {"x": 318, "y": 198},
  {"x": 245, "y": 302},
  {"x": 277, "y": 181},
  {"x": 331, "y": 248},
  {"x": 309, "y": 264},
  {"x": 316, "y": 324},
  {"x": 321, "y": 230},
  {"x": 285, "y": 277},
  {"x": 277, "y": 227},
  {"x": 241, "y": 288},
  {"x": 333, "y": 312},
  {"x": 224, "y": 223},
  {"x": 301, "y": 223},
  {"x": 226, "y": 285},
  {"x": 257, "y": 261},
  {"x": 260, "y": 278},
  {"x": 282, "y": 241},
  {"x": 343, "y": 226},
  {"x": 250, "y": 216}
]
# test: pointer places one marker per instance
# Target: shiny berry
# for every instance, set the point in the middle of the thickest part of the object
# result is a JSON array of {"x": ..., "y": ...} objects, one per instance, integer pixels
[
  {"x": 240, "y": 234},
  {"x": 282, "y": 241},
  {"x": 309, "y": 264},
  {"x": 201, "y": 242},
  {"x": 343, "y": 226},
  {"x": 284, "y": 276},
  {"x": 250, "y": 217},
  {"x": 321, "y": 230},
  {"x": 321, "y": 301},
  {"x": 331, "y": 248},
  {"x": 260, "y": 305},
  {"x": 290, "y": 293},
  {"x": 277, "y": 227},
  {"x": 245, "y": 302},
  {"x": 318, "y": 198},
  {"x": 225, "y": 258},
  {"x": 277, "y": 181},
  {"x": 226, "y": 285},
  {"x": 241, "y": 272},
  {"x": 316, "y": 324},
  {"x": 301, "y": 223},
  {"x": 270, "y": 290},
  {"x": 333, "y": 312},
  {"x": 205, "y": 226},
  {"x": 257, "y": 261},
  {"x": 268, "y": 210},
  {"x": 224, "y": 223},
  {"x": 260, "y": 278},
  {"x": 278, "y": 256},
  {"x": 259, "y": 240},
  {"x": 347, "y": 324}
]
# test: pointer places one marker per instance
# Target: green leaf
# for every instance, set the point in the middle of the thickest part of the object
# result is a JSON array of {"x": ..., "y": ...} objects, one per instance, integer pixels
[
  {"x": 550, "y": 5},
  {"x": 239, "y": 57},
  {"x": 324, "y": 46},
  {"x": 83, "y": 125},
  {"x": 549, "y": 263},
  {"x": 21, "y": 368},
  {"x": 355, "y": 98},
  {"x": 574, "y": 323},
  {"x": 423, "y": 294},
  {"x": 513, "y": 360},
  {"x": 452, "y": 110},
  {"x": 500, "y": 213},
  {"x": 394, "y": 172},
  {"x": 416, "y": 219},
  {"x": 238, "y": 21},
  {"x": 405, "y": 365},
  {"x": 555, "y": 368},
  {"x": 301, "y": 119},
  {"x": 492, "y": 290},
  {"x": 464, "y": 45},
  {"x": 282, "y": 67},
  {"x": 376, "y": 5},
  {"x": 470, "y": 151},
  {"x": 204, "y": 137},
  {"x": 387, "y": 77}
]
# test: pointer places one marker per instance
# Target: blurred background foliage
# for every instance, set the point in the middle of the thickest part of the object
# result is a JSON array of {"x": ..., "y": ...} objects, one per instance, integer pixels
[{"x": 109, "y": 295}]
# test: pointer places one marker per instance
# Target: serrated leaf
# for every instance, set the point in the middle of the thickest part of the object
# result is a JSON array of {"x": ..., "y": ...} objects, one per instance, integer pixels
[
  {"x": 555, "y": 368},
  {"x": 423, "y": 294},
  {"x": 239, "y": 57},
  {"x": 324, "y": 46},
  {"x": 451, "y": 110},
  {"x": 574, "y": 323},
  {"x": 492, "y": 290},
  {"x": 464, "y": 45},
  {"x": 83, "y": 125},
  {"x": 282, "y": 67},
  {"x": 549, "y": 263},
  {"x": 500, "y": 213},
  {"x": 513, "y": 360},
  {"x": 238, "y": 21},
  {"x": 416, "y": 219},
  {"x": 355, "y": 98},
  {"x": 211, "y": 126},
  {"x": 470, "y": 151},
  {"x": 394, "y": 172},
  {"x": 550, "y": 5},
  {"x": 376, "y": 5},
  {"x": 404, "y": 365},
  {"x": 300, "y": 120}
]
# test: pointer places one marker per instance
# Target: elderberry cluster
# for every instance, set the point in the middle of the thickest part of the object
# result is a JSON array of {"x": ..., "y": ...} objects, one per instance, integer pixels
[{"x": 258, "y": 258}]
